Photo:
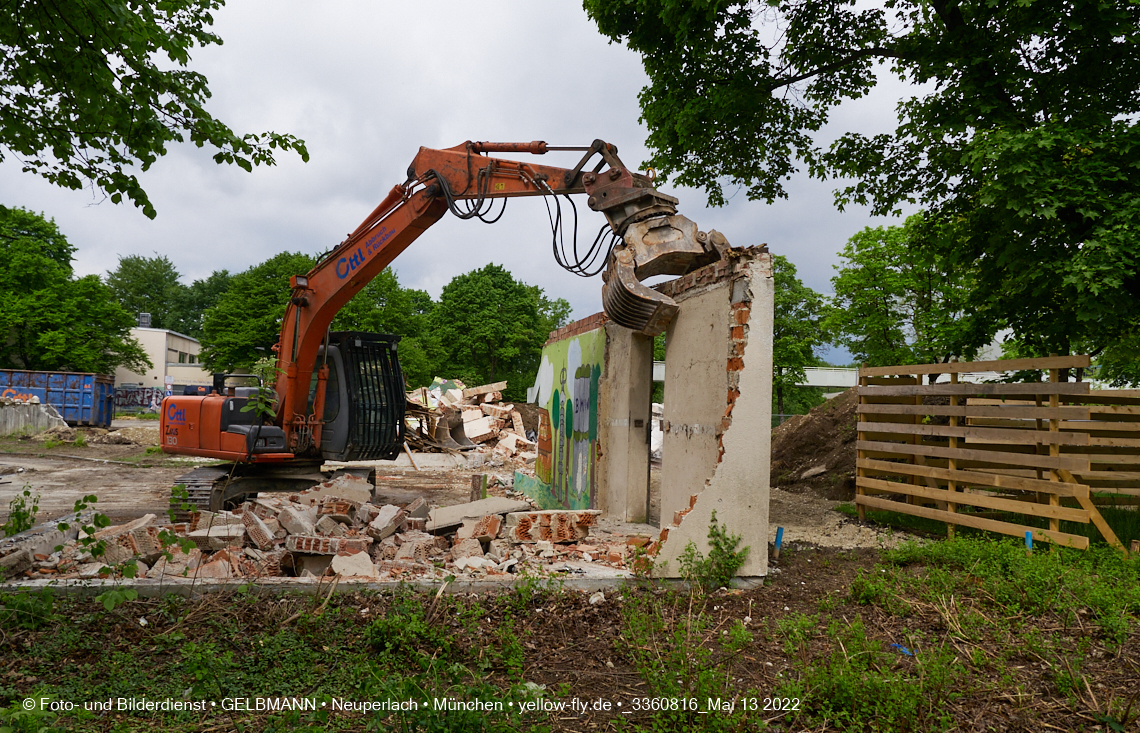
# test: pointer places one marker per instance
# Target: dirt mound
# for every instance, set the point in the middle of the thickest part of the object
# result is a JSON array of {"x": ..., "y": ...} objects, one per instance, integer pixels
[
  {"x": 62, "y": 433},
  {"x": 815, "y": 453}
]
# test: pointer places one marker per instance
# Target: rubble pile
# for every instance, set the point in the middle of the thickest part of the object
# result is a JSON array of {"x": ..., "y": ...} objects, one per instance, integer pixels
[
  {"x": 336, "y": 529},
  {"x": 449, "y": 416}
]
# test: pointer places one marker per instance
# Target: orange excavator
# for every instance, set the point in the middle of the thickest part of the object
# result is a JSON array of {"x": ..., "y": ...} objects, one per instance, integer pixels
[{"x": 341, "y": 395}]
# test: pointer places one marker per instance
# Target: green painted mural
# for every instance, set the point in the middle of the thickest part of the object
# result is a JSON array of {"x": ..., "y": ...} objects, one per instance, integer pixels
[{"x": 567, "y": 389}]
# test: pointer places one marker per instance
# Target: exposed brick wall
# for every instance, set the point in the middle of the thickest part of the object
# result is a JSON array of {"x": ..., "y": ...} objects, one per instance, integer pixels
[
  {"x": 577, "y": 328},
  {"x": 738, "y": 331}
]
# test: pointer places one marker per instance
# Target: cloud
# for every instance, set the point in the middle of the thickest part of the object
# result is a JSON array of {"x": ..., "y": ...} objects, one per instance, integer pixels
[{"x": 366, "y": 84}]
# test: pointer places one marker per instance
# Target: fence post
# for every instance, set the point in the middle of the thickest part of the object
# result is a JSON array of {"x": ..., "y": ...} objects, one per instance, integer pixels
[
  {"x": 860, "y": 455},
  {"x": 952, "y": 463},
  {"x": 1054, "y": 447}
]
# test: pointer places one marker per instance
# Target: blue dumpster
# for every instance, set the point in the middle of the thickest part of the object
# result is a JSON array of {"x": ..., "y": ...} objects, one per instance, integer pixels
[{"x": 82, "y": 399}]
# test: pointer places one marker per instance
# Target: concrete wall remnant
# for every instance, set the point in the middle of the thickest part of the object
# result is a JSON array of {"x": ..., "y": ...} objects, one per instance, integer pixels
[
  {"x": 717, "y": 419},
  {"x": 567, "y": 391},
  {"x": 29, "y": 419}
]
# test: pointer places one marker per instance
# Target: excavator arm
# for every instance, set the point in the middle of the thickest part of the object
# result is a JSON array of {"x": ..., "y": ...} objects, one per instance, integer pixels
[{"x": 466, "y": 181}]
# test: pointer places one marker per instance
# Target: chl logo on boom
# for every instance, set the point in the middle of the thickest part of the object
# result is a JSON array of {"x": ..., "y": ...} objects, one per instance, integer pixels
[{"x": 174, "y": 413}]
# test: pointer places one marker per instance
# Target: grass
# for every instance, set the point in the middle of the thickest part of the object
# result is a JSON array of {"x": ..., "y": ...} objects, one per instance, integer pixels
[
  {"x": 928, "y": 638},
  {"x": 137, "y": 416},
  {"x": 1124, "y": 521}
]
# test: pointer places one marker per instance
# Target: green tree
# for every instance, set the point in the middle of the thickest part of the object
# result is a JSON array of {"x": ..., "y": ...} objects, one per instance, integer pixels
[
  {"x": 898, "y": 302},
  {"x": 93, "y": 90},
  {"x": 194, "y": 300},
  {"x": 1022, "y": 145},
  {"x": 49, "y": 319},
  {"x": 383, "y": 306},
  {"x": 246, "y": 321},
  {"x": 147, "y": 285},
  {"x": 797, "y": 332},
  {"x": 492, "y": 327}
]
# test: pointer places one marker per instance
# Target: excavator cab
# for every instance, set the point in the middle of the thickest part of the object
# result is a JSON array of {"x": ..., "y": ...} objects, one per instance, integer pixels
[{"x": 364, "y": 397}]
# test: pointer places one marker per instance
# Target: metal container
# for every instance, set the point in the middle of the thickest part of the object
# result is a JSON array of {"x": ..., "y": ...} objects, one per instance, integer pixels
[{"x": 82, "y": 399}]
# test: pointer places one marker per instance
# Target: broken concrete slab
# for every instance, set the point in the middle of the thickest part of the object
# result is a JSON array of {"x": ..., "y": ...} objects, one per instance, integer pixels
[
  {"x": 388, "y": 521},
  {"x": 418, "y": 509},
  {"x": 296, "y": 521},
  {"x": 483, "y": 389},
  {"x": 356, "y": 565},
  {"x": 467, "y": 548},
  {"x": 109, "y": 532},
  {"x": 215, "y": 569},
  {"x": 446, "y": 517},
  {"x": 551, "y": 525},
  {"x": 218, "y": 537},
  {"x": 329, "y": 527},
  {"x": 476, "y": 563},
  {"x": 346, "y": 486},
  {"x": 481, "y": 430}
]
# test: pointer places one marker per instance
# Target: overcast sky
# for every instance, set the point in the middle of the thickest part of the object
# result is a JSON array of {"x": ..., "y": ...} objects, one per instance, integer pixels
[{"x": 365, "y": 84}]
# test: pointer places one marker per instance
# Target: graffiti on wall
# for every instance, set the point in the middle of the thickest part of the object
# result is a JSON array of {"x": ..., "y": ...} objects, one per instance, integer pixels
[
  {"x": 131, "y": 398},
  {"x": 568, "y": 431}
]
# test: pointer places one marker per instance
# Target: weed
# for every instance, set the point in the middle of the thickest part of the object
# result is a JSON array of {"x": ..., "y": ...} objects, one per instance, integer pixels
[
  {"x": 21, "y": 517},
  {"x": 152, "y": 450},
  {"x": 51, "y": 443},
  {"x": 80, "y": 441},
  {"x": 718, "y": 569},
  {"x": 689, "y": 661},
  {"x": 30, "y": 610},
  {"x": 860, "y": 680}
]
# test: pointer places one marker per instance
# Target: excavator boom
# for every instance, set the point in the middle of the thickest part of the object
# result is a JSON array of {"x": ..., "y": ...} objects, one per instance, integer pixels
[{"x": 645, "y": 234}]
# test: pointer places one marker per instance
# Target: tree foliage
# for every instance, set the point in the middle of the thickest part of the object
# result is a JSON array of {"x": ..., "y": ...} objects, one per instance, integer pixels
[
  {"x": 797, "y": 333},
  {"x": 486, "y": 327},
  {"x": 492, "y": 327},
  {"x": 50, "y": 320},
  {"x": 245, "y": 323},
  {"x": 147, "y": 285},
  {"x": 192, "y": 302},
  {"x": 383, "y": 306},
  {"x": 92, "y": 90},
  {"x": 1021, "y": 144},
  {"x": 898, "y": 302}
]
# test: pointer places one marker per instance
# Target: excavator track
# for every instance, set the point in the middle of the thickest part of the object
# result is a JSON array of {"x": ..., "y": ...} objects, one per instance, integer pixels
[
  {"x": 200, "y": 484},
  {"x": 214, "y": 488}
]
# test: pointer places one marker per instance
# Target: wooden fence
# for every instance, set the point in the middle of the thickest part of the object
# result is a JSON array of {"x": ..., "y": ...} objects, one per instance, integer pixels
[{"x": 972, "y": 454}]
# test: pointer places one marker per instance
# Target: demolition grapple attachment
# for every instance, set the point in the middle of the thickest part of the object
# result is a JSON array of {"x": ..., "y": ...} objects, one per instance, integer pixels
[{"x": 656, "y": 240}]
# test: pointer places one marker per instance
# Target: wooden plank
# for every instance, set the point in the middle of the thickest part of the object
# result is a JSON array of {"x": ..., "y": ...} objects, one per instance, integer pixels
[
  {"x": 1000, "y": 365},
  {"x": 976, "y": 478},
  {"x": 983, "y": 500},
  {"x": 1021, "y": 388},
  {"x": 1095, "y": 515},
  {"x": 1014, "y": 437},
  {"x": 1088, "y": 400},
  {"x": 1109, "y": 460},
  {"x": 1092, "y": 427},
  {"x": 1069, "y": 462},
  {"x": 859, "y": 455},
  {"x": 1031, "y": 413},
  {"x": 1115, "y": 442},
  {"x": 965, "y": 520},
  {"x": 1098, "y": 396}
]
